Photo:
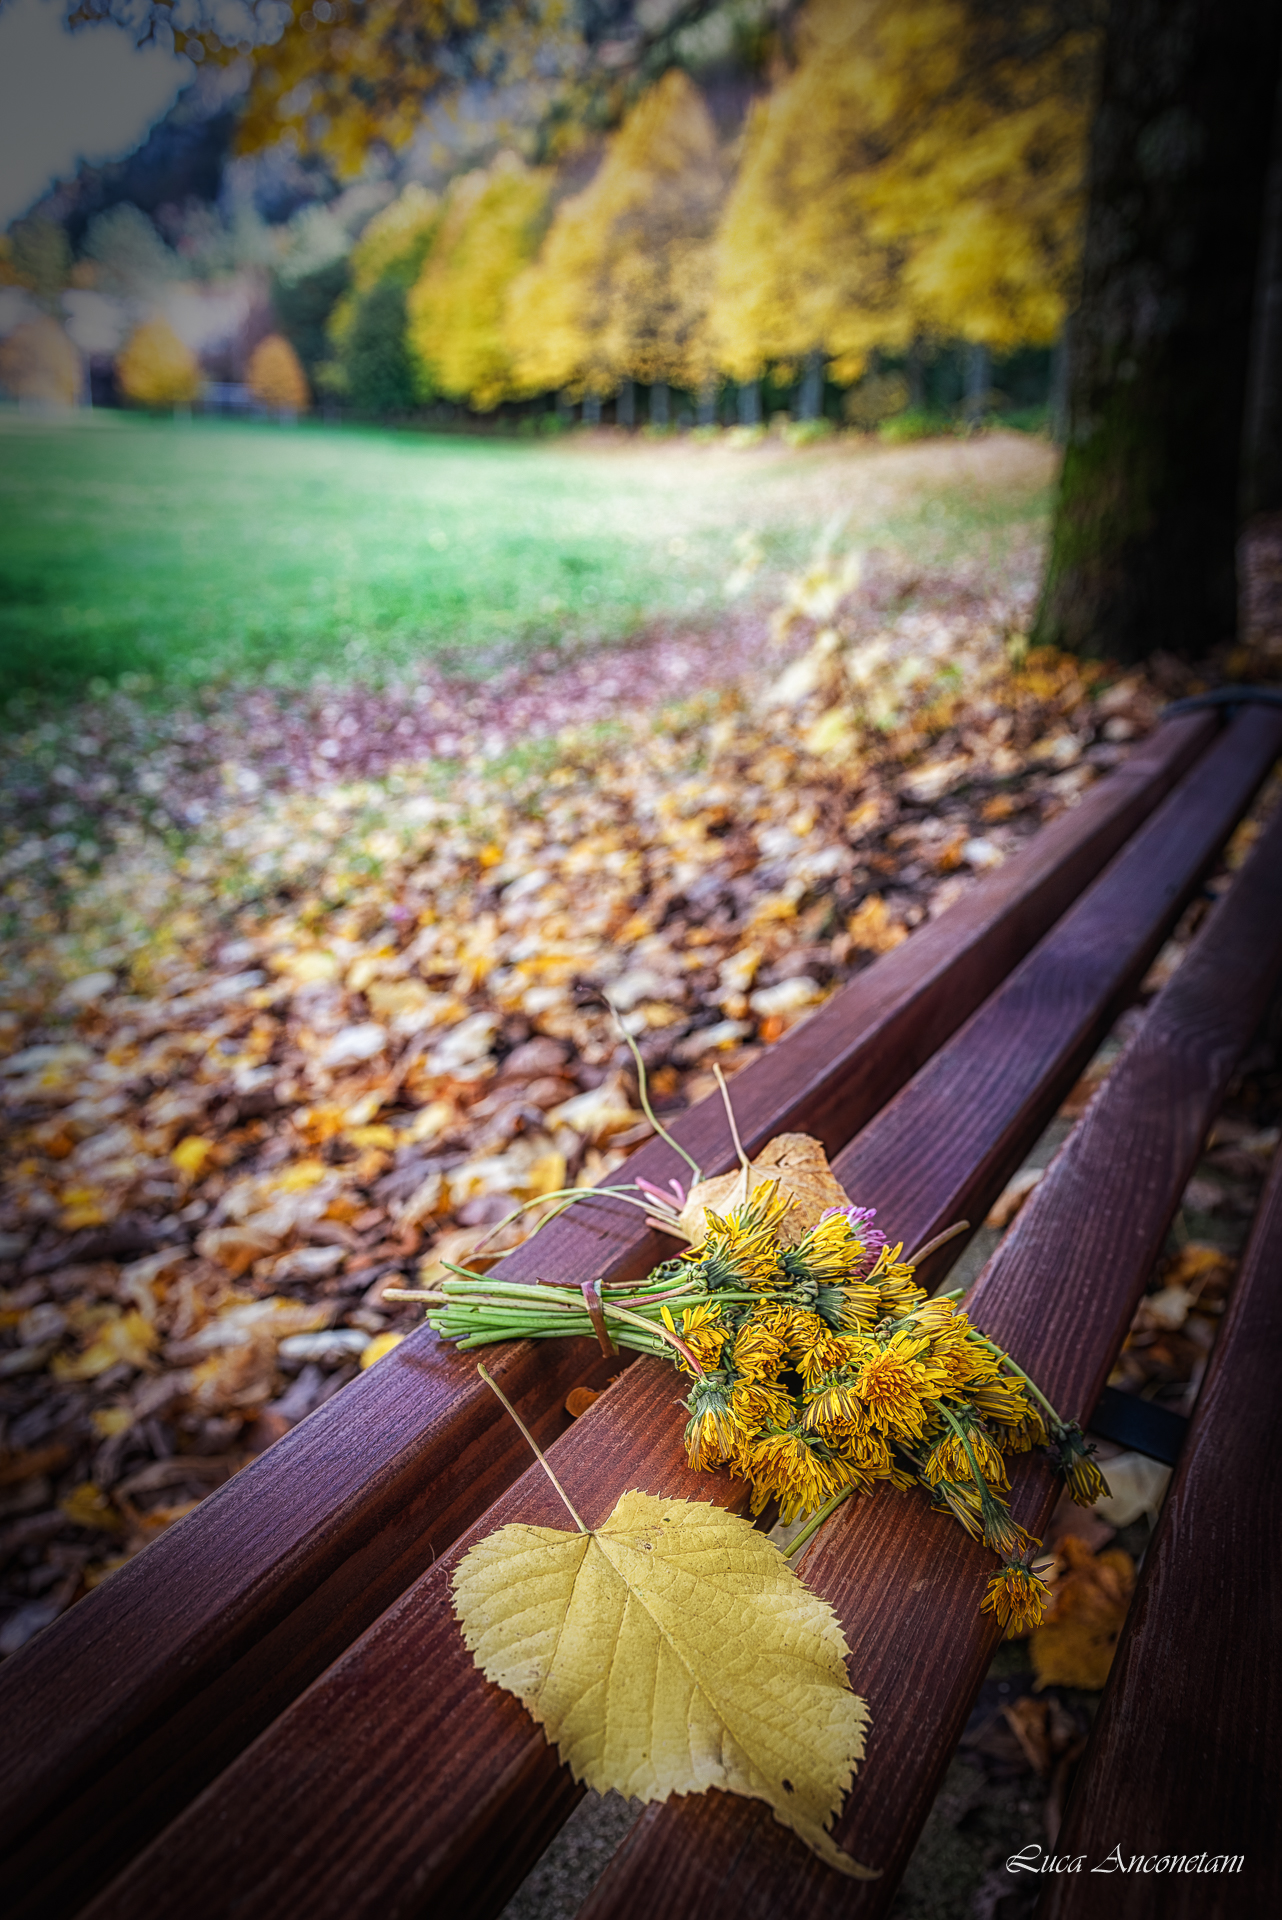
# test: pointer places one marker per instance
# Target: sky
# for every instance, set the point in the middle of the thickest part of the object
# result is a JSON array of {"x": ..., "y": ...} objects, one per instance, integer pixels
[{"x": 64, "y": 97}]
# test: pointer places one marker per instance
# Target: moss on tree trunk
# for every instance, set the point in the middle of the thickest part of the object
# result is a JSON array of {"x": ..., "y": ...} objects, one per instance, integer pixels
[{"x": 1145, "y": 530}]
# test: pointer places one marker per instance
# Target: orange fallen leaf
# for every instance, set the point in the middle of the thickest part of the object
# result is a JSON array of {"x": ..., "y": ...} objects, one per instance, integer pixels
[{"x": 1075, "y": 1644}]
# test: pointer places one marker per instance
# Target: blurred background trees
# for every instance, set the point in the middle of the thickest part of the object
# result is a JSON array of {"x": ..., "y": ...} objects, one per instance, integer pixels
[
  {"x": 490, "y": 226},
  {"x": 622, "y": 288},
  {"x": 276, "y": 378},
  {"x": 157, "y": 369},
  {"x": 627, "y": 207},
  {"x": 682, "y": 211}
]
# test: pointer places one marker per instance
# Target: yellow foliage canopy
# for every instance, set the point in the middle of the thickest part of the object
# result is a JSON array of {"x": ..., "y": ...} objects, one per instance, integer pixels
[
  {"x": 489, "y": 229},
  {"x": 914, "y": 176},
  {"x": 669, "y": 1651},
  {"x": 396, "y": 238},
  {"x": 156, "y": 369},
  {"x": 399, "y": 229},
  {"x": 622, "y": 285},
  {"x": 344, "y": 82},
  {"x": 275, "y": 377}
]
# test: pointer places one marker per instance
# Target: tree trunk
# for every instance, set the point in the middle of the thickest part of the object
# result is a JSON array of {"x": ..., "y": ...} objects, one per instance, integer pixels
[
  {"x": 750, "y": 403},
  {"x": 1058, "y": 396},
  {"x": 591, "y": 409},
  {"x": 707, "y": 407},
  {"x": 979, "y": 379},
  {"x": 1262, "y": 473},
  {"x": 625, "y": 407},
  {"x": 915, "y": 374},
  {"x": 810, "y": 387},
  {"x": 659, "y": 409},
  {"x": 1143, "y": 543}
]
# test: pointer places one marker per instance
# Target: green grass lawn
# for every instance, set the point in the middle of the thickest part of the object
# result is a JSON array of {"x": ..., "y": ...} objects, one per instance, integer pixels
[{"x": 208, "y": 549}]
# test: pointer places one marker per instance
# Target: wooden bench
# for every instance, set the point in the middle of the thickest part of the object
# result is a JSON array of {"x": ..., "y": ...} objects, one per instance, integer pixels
[{"x": 271, "y": 1711}]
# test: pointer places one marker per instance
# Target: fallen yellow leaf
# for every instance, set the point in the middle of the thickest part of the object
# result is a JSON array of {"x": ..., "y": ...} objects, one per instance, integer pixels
[
  {"x": 107, "y": 1421},
  {"x": 1074, "y": 1646},
  {"x": 381, "y": 1343},
  {"x": 88, "y": 1506},
  {"x": 669, "y": 1651},
  {"x": 127, "y": 1337},
  {"x": 372, "y": 1136},
  {"x": 190, "y": 1155}
]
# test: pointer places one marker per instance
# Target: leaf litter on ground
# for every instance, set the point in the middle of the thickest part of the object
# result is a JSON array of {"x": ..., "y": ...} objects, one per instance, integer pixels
[{"x": 326, "y": 1037}]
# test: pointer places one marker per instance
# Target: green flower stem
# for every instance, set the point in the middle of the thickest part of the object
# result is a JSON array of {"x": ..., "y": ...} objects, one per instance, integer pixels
[
  {"x": 817, "y": 1519},
  {"x": 568, "y": 1196},
  {"x": 982, "y": 1487}
]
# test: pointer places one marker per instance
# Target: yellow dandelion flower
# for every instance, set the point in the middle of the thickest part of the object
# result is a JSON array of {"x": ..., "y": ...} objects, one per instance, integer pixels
[
  {"x": 834, "y": 1408},
  {"x": 829, "y": 1354},
  {"x": 1074, "y": 1456},
  {"x": 1002, "y": 1534},
  {"x": 761, "y": 1341},
  {"x": 806, "y": 1333},
  {"x": 963, "y": 1503},
  {"x": 742, "y": 1249},
  {"x": 870, "y": 1452},
  {"x": 893, "y": 1383},
  {"x": 712, "y": 1433},
  {"x": 703, "y": 1331},
  {"x": 755, "y": 1404},
  {"x": 1085, "y": 1482},
  {"x": 827, "y": 1254},
  {"x": 893, "y": 1278},
  {"x": 794, "y": 1469},
  {"x": 1002, "y": 1400},
  {"x": 852, "y": 1309},
  {"x": 1031, "y": 1431},
  {"x": 937, "y": 1317},
  {"x": 1018, "y": 1598}
]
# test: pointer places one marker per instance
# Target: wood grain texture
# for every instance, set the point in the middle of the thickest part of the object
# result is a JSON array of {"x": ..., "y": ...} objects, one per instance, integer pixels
[
  {"x": 983, "y": 1096},
  {"x": 481, "y": 1777},
  {"x": 446, "y": 1780},
  {"x": 1185, "y": 1754},
  {"x": 142, "y": 1694},
  {"x": 1059, "y": 1294}
]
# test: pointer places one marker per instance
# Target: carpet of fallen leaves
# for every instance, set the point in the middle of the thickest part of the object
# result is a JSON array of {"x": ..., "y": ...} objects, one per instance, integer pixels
[{"x": 297, "y": 1007}]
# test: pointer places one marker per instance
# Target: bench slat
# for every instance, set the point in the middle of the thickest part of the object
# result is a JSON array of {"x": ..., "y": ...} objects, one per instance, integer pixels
[
  {"x": 1186, "y": 1741},
  {"x": 447, "y": 1781},
  {"x": 1059, "y": 1294},
  {"x": 234, "y": 1612}
]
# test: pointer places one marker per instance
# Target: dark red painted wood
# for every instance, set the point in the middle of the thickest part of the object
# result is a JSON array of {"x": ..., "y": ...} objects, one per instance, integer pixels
[
  {"x": 1058, "y": 1294},
  {"x": 1186, "y": 1754},
  {"x": 405, "y": 1704},
  {"x": 145, "y": 1691}
]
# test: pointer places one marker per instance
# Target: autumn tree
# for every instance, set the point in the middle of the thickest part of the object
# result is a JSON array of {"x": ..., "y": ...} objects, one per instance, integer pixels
[
  {"x": 918, "y": 174},
  {"x": 39, "y": 363},
  {"x": 371, "y": 363},
  {"x": 489, "y": 228},
  {"x": 39, "y": 258},
  {"x": 156, "y": 369},
  {"x": 275, "y": 377},
  {"x": 621, "y": 288},
  {"x": 1145, "y": 528}
]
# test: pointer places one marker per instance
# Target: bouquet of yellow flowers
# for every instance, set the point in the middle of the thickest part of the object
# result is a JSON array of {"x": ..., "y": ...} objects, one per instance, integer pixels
[{"x": 818, "y": 1369}]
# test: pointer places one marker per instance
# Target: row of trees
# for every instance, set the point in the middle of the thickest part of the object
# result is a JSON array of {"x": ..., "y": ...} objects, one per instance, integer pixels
[
  {"x": 917, "y": 177},
  {"x": 154, "y": 368},
  {"x": 913, "y": 176}
]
